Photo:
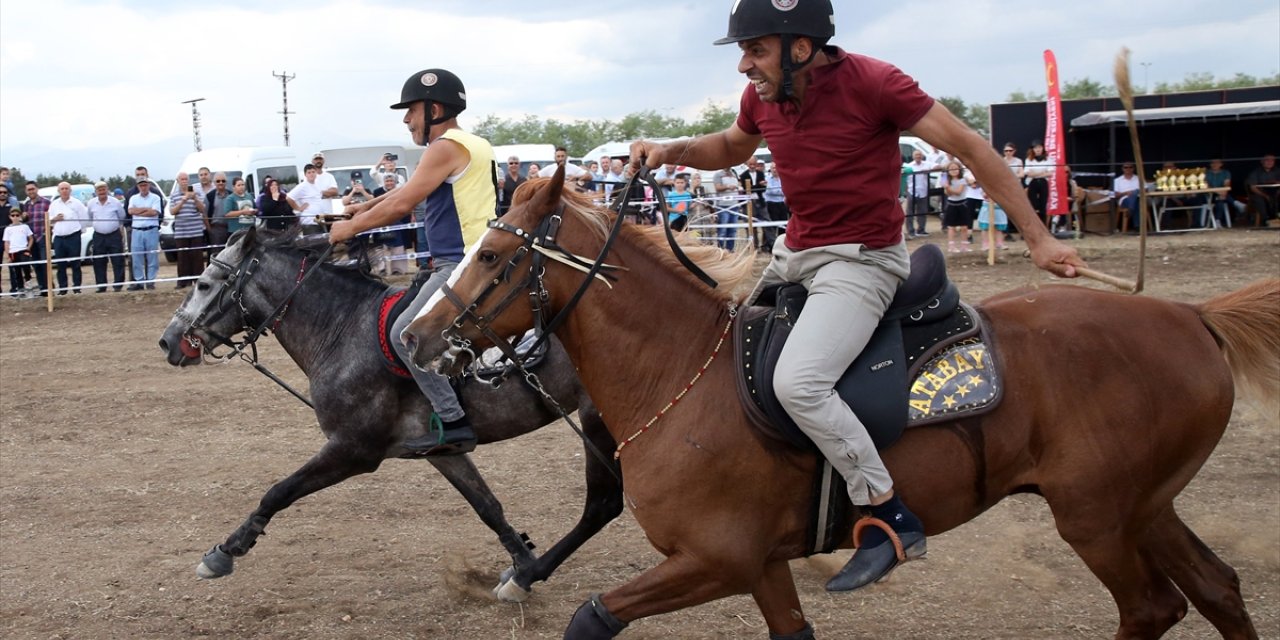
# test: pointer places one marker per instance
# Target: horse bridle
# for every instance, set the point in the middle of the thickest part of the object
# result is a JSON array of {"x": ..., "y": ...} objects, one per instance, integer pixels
[
  {"x": 541, "y": 243},
  {"x": 229, "y": 297}
]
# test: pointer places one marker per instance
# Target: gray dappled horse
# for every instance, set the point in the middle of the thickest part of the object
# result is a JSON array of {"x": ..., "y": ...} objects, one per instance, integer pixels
[{"x": 330, "y": 330}]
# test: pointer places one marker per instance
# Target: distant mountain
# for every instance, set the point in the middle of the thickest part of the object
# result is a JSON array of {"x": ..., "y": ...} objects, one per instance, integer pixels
[{"x": 161, "y": 158}]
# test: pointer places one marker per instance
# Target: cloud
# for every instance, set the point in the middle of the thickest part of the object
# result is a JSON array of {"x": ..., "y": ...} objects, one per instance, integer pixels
[{"x": 115, "y": 80}]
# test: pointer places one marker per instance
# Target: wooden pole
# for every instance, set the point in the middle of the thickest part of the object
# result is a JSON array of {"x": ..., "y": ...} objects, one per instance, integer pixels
[
  {"x": 751, "y": 229},
  {"x": 991, "y": 232},
  {"x": 1125, "y": 90},
  {"x": 1119, "y": 283},
  {"x": 48, "y": 262}
]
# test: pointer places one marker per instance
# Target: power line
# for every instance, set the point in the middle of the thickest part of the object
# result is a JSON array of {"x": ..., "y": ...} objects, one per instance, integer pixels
[
  {"x": 284, "y": 92},
  {"x": 195, "y": 120}
]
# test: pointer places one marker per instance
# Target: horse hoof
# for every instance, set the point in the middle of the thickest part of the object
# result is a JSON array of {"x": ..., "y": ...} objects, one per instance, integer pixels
[
  {"x": 215, "y": 564},
  {"x": 509, "y": 591}
]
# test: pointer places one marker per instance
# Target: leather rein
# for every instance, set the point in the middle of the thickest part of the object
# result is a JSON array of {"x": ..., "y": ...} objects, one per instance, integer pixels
[{"x": 541, "y": 242}]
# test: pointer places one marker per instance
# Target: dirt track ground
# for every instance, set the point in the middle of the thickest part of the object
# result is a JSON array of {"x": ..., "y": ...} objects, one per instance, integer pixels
[{"x": 117, "y": 472}]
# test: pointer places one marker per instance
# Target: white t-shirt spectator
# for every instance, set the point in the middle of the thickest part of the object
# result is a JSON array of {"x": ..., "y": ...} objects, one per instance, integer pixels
[
  {"x": 17, "y": 236},
  {"x": 1039, "y": 168},
  {"x": 308, "y": 196},
  {"x": 325, "y": 181},
  {"x": 1123, "y": 184},
  {"x": 571, "y": 171}
]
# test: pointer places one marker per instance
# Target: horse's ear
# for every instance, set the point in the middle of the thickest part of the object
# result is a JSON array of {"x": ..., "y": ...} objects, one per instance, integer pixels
[{"x": 548, "y": 198}]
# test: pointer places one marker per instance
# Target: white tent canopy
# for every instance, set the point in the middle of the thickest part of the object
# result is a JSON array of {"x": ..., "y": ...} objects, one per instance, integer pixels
[{"x": 1201, "y": 113}]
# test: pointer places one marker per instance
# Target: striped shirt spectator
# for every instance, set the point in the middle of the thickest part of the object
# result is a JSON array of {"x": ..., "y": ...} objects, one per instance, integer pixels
[{"x": 187, "y": 221}]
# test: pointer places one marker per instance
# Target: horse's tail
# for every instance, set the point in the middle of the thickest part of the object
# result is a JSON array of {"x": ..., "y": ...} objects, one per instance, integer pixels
[{"x": 1246, "y": 324}]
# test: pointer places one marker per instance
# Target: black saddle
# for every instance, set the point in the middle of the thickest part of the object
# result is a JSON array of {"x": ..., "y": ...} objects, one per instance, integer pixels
[
  {"x": 926, "y": 324},
  {"x": 927, "y": 361}
]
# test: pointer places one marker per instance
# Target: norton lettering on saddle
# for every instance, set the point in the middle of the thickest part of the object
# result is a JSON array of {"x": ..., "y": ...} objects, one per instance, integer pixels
[{"x": 928, "y": 361}]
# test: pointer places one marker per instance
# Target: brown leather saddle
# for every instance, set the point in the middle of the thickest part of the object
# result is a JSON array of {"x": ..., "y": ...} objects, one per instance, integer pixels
[{"x": 928, "y": 361}]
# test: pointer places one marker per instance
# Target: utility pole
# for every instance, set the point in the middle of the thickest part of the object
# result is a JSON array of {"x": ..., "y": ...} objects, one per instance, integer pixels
[
  {"x": 284, "y": 91},
  {"x": 195, "y": 120},
  {"x": 1146, "y": 67}
]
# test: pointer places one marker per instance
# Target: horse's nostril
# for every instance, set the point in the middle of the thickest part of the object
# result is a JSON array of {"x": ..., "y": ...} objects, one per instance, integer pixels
[
  {"x": 411, "y": 342},
  {"x": 164, "y": 345}
]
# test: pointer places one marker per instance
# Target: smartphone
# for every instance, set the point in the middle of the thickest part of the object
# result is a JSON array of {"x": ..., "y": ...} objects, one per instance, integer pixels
[
  {"x": 392, "y": 156},
  {"x": 190, "y": 188}
]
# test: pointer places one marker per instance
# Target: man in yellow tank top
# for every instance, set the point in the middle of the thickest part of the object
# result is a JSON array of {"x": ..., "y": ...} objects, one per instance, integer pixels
[{"x": 457, "y": 178}]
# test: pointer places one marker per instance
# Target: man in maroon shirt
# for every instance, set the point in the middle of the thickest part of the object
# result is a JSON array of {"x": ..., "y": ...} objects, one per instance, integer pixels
[{"x": 832, "y": 120}]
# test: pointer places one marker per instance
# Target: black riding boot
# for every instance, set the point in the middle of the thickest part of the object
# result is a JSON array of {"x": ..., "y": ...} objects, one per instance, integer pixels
[
  {"x": 877, "y": 556},
  {"x": 451, "y": 438}
]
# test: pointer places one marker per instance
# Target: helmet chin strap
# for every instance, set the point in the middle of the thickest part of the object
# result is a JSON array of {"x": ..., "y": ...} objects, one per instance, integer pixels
[
  {"x": 428, "y": 121},
  {"x": 788, "y": 66}
]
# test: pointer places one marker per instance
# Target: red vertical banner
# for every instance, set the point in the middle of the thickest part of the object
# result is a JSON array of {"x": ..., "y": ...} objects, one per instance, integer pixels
[{"x": 1053, "y": 145}]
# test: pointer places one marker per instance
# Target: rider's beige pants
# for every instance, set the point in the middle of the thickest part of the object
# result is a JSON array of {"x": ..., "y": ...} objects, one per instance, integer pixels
[{"x": 850, "y": 287}]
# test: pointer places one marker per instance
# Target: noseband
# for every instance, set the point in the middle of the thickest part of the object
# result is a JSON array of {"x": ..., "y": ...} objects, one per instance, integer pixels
[
  {"x": 541, "y": 243},
  {"x": 231, "y": 297}
]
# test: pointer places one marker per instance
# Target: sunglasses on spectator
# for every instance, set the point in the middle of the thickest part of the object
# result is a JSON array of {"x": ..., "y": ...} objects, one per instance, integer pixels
[
  {"x": 223, "y": 181},
  {"x": 1008, "y": 150},
  {"x": 15, "y": 215}
]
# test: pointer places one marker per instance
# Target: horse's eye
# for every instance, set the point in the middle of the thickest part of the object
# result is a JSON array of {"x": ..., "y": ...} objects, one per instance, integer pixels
[{"x": 488, "y": 257}]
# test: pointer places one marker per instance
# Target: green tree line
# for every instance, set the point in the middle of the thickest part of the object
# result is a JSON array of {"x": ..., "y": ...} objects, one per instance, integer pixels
[
  {"x": 581, "y": 136},
  {"x": 75, "y": 177}
]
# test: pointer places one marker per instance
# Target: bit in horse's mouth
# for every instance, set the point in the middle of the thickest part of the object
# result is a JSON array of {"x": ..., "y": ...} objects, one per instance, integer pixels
[{"x": 191, "y": 346}]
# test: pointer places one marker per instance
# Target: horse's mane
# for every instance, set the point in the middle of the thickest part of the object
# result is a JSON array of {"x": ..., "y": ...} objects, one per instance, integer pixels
[
  {"x": 352, "y": 264},
  {"x": 730, "y": 268}
]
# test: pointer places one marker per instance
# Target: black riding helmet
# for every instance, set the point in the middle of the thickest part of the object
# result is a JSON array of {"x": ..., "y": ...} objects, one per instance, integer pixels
[
  {"x": 750, "y": 19},
  {"x": 434, "y": 85}
]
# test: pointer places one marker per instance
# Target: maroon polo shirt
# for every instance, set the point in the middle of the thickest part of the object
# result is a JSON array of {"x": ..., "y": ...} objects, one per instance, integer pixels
[{"x": 841, "y": 165}]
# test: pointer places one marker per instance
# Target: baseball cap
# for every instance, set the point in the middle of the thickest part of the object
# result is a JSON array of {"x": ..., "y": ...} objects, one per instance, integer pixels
[
  {"x": 356, "y": 175},
  {"x": 118, "y": 191},
  {"x": 99, "y": 184},
  {"x": 318, "y": 155}
]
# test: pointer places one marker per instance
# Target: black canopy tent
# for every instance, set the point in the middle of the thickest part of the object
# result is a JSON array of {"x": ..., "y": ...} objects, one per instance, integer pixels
[
  {"x": 1192, "y": 135},
  {"x": 1237, "y": 125}
]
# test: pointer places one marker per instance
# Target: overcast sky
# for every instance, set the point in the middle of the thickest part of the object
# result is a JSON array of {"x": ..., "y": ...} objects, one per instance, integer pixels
[{"x": 97, "y": 86}]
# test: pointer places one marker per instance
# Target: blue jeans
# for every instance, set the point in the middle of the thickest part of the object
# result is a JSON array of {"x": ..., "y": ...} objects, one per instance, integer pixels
[
  {"x": 144, "y": 249},
  {"x": 1130, "y": 203},
  {"x": 725, "y": 237},
  {"x": 67, "y": 246}
]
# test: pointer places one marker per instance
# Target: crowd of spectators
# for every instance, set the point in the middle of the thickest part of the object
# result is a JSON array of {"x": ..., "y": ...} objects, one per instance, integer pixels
[
  {"x": 718, "y": 205},
  {"x": 206, "y": 211}
]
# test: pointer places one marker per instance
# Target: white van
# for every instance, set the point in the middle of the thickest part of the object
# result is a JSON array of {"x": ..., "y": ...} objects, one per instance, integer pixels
[
  {"x": 908, "y": 144},
  {"x": 407, "y": 157},
  {"x": 251, "y": 163}
]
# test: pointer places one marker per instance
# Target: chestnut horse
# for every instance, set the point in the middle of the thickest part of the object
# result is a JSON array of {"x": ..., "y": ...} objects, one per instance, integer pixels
[{"x": 728, "y": 508}]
